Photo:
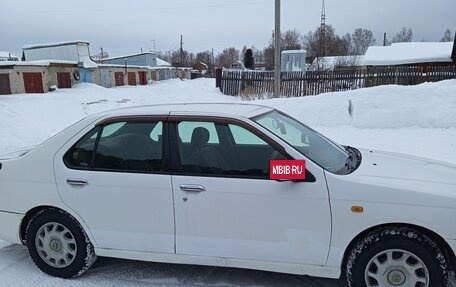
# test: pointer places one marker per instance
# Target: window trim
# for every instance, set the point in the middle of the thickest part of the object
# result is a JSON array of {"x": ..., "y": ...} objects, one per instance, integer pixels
[{"x": 173, "y": 122}]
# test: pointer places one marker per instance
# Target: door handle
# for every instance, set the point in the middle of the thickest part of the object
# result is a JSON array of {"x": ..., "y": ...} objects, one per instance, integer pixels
[
  {"x": 77, "y": 182},
  {"x": 192, "y": 188}
]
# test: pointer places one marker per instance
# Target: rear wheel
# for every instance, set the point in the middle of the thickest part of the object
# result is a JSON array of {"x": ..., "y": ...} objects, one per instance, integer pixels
[
  {"x": 58, "y": 244},
  {"x": 393, "y": 257}
]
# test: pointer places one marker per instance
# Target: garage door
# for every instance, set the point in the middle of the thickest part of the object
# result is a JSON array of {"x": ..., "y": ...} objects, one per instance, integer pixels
[
  {"x": 33, "y": 83},
  {"x": 142, "y": 78},
  {"x": 119, "y": 78},
  {"x": 132, "y": 78},
  {"x": 5, "y": 88},
  {"x": 64, "y": 80}
]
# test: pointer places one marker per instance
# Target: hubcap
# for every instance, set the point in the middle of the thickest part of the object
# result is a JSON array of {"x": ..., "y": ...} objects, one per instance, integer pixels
[
  {"x": 56, "y": 245},
  {"x": 396, "y": 277},
  {"x": 396, "y": 267}
]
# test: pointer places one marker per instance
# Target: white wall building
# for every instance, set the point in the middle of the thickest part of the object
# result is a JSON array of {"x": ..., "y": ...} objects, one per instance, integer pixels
[
  {"x": 293, "y": 61},
  {"x": 76, "y": 51}
]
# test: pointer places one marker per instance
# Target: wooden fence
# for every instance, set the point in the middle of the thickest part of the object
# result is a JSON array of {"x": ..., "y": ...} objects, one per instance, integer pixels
[{"x": 296, "y": 84}]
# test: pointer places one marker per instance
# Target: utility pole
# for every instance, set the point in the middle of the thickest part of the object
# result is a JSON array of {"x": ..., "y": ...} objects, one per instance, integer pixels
[
  {"x": 321, "y": 52},
  {"x": 181, "y": 52},
  {"x": 277, "y": 37},
  {"x": 453, "y": 53},
  {"x": 213, "y": 63}
]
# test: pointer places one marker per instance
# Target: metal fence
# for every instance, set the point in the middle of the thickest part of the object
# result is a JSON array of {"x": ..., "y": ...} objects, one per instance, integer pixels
[{"x": 295, "y": 84}]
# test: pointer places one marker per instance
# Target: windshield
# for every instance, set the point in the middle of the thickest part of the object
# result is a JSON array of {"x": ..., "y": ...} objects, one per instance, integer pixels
[{"x": 313, "y": 145}]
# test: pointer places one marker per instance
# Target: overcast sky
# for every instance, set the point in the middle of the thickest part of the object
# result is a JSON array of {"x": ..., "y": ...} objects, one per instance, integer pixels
[{"x": 123, "y": 27}]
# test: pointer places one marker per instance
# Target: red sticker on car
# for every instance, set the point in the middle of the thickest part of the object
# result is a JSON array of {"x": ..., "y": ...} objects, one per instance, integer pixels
[{"x": 287, "y": 169}]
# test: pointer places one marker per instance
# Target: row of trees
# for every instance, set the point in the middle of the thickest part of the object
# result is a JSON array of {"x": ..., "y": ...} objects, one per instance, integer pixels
[{"x": 316, "y": 43}]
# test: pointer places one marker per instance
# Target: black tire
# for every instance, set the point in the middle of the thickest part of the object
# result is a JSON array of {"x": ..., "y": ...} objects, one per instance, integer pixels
[
  {"x": 53, "y": 225},
  {"x": 398, "y": 243}
]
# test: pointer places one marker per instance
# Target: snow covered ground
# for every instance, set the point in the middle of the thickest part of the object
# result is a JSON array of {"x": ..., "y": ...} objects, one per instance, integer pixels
[{"x": 419, "y": 120}]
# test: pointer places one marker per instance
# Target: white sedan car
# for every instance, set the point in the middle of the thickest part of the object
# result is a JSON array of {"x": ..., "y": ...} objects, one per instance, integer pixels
[{"x": 191, "y": 184}]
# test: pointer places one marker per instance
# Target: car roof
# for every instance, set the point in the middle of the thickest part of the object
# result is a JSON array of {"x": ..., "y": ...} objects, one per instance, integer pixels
[{"x": 216, "y": 109}]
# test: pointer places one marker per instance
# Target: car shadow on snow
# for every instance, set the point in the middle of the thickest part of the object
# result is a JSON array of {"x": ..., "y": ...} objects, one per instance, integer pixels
[
  {"x": 17, "y": 269},
  {"x": 159, "y": 274}
]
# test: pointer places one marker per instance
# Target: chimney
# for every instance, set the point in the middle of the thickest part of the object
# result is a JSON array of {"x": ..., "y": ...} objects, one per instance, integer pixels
[{"x": 453, "y": 54}]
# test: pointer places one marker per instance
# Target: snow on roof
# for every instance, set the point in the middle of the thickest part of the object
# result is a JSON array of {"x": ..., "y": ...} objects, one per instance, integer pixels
[
  {"x": 161, "y": 63},
  {"x": 37, "y": 63},
  {"x": 46, "y": 45},
  {"x": 408, "y": 53},
  {"x": 294, "y": 52},
  {"x": 131, "y": 55},
  {"x": 123, "y": 66},
  {"x": 4, "y": 54},
  {"x": 205, "y": 65}
]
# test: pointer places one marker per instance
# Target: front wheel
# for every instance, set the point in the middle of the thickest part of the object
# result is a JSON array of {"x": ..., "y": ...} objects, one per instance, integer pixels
[
  {"x": 392, "y": 257},
  {"x": 58, "y": 244}
]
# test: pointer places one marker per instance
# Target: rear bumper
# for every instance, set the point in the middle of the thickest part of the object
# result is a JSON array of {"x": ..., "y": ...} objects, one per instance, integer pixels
[{"x": 9, "y": 226}]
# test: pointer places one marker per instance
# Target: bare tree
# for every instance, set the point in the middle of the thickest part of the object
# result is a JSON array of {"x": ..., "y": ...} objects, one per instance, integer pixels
[
  {"x": 405, "y": 35},
  {"x": 188, "y": 59},
  {"x": 204, "y": 57},
  {"x": 290, "y": 40},
  {"x": 334, "y": 45},
  {"x": 258, "y": 55},
  {"x": 268, "y": 53},
  {"x": 361, "y": 40},
  {"x": 447, "y": 36},
  {"x": 228, "y": 57}
]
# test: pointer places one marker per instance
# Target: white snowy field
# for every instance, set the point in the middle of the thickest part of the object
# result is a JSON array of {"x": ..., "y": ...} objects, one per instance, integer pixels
[{"x": 419, "y": 120}]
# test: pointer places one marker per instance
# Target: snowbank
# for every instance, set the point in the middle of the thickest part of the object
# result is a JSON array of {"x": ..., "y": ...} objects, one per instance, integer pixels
[{"x": 429, "y": 105}]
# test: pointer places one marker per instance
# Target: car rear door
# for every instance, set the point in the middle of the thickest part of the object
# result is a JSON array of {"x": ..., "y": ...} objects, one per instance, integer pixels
[
  {"x": 225, "y": 205},
  {"x": 115, "y": 178}
]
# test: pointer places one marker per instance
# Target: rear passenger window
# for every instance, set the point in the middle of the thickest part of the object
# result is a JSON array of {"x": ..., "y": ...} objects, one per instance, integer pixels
[{"x": 122, "y": 146}]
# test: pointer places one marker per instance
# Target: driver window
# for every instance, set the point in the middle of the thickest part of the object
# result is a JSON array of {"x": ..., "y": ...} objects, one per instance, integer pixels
[{"x": 222, "y": 149}]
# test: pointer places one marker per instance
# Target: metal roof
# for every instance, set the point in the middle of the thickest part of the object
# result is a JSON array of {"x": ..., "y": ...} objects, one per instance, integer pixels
[{"x": 57, "y": 44}]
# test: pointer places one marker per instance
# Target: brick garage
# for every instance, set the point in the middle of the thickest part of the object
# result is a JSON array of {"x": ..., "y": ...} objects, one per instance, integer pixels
[
  {"x": 36, "y": 77},
  {"x": 118, "y": 75}
]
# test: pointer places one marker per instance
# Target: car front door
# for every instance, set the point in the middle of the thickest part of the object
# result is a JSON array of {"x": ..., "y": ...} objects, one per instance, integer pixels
[
  {"x": 115, "y": 179},
  {"x": 226, "y": 206}
]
